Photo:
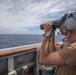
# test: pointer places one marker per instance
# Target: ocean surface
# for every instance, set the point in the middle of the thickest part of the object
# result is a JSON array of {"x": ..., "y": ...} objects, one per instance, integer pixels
[{"x": 14, "y": 40}]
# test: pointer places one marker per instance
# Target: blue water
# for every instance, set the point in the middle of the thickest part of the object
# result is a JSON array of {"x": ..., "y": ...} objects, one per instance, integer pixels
[{"x": 9, "y": 40}]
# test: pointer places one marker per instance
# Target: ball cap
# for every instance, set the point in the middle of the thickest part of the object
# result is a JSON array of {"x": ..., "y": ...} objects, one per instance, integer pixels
[{"x": 67, "y": 15}]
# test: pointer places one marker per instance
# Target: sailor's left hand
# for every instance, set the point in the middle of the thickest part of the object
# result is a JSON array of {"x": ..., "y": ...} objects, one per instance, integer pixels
[{"x": 48, "y": 27}]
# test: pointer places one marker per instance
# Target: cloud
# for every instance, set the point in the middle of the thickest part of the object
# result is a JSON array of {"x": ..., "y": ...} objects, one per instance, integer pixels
[{"x": 18, "y": 16}]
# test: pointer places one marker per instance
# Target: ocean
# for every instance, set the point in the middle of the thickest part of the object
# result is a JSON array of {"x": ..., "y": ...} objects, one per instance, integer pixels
[{"x": 14, "y": 40}]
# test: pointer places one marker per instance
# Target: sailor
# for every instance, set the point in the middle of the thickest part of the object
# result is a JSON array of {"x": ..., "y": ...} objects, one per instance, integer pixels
[{"x": 63, "y": 55}]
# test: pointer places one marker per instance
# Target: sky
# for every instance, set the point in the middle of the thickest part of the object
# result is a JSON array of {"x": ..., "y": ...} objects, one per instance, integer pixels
[{"x": 25, "y": 16}]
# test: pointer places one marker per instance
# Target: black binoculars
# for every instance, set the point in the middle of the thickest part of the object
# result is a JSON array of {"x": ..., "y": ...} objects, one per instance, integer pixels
[{"x": 55, "y": 24}]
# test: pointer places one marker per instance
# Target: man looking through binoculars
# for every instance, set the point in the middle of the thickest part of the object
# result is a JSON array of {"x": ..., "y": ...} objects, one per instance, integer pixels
[{"x": 63, "y": 55}]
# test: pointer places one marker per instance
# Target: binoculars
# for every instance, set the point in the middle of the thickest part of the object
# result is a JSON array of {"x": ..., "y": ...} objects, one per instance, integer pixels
[{"x": 55, "y": 24}]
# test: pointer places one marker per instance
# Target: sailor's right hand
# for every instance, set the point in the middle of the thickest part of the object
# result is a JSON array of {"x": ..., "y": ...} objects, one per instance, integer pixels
[{"x": 48, "y": 27}]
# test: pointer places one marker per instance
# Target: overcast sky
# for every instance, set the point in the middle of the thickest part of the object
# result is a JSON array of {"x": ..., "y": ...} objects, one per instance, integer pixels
[{"x": 25, "y": 16}]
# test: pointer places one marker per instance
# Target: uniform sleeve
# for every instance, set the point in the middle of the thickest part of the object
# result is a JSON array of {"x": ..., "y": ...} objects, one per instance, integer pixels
[
  {"x": 69, "y": 55},
  {"x": 59, "y": 46}
]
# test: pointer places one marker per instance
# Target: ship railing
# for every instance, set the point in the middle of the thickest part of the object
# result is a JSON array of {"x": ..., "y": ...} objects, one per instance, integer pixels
[{"x": 15, "y": 58}]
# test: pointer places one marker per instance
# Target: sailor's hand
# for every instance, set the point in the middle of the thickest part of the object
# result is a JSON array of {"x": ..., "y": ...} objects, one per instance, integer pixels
[{"x": 48, "y": 27}]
